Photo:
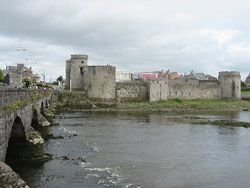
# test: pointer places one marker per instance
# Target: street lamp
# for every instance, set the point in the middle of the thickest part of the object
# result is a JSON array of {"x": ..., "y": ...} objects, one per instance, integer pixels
[{"x": 21, "y": 49}]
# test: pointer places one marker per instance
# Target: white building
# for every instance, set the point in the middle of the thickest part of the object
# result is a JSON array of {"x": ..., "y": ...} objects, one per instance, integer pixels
[{"x": 122, "y": 76}]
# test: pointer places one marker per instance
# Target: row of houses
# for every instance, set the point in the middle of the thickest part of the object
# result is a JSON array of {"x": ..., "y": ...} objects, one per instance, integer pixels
[{"x": 122, "y": 76}]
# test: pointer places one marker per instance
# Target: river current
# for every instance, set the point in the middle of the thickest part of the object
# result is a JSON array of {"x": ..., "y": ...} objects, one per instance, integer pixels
[{"x": 144, "y": 151}]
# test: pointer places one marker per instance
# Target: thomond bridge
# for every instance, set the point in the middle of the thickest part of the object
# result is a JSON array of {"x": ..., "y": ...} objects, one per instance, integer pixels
[{"x": 22, "y": 112}]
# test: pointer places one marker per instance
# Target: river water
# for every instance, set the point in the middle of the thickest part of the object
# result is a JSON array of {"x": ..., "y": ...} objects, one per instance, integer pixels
[{"x": 144, "y": 150}]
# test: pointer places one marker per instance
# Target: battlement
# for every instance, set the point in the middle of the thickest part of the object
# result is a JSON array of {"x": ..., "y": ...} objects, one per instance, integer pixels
[
  {"x": 228, "y": 73},
  {"x": 79, "y": 56},
  {"x": 102, "y": 67}
]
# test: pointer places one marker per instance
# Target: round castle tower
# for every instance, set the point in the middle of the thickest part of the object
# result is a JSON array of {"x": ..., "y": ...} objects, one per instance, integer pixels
[
  {"x": 230, "y": 85},
  {"x": 74, "y": 70}
]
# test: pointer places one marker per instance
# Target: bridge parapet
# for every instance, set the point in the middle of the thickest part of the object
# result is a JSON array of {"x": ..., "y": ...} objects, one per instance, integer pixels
[{"x": 8, "y": 96}]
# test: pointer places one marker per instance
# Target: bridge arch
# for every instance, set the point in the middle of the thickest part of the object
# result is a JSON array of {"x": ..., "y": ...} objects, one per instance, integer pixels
[
  {"x": 16, "y": 140},
  {"x": 34, "y": 120},
  {"x": 46, "y": 104},
  {"x": 42, "y": 108}
]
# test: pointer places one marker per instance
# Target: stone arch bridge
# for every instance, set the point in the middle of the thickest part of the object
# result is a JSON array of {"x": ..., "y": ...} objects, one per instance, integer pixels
[{"x": 22, "y": 112}]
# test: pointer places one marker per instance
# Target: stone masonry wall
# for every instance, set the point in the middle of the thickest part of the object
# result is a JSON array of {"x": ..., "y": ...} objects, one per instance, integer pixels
[
  {"x": 99, "y": 82},
  {"x": 7, "y": 120},
  {"x": 132, "y": 91},
  {"x": 192, "y": 89},
  {"x": 158, "y": 90},
  {"x": 230, "y": 85},
  {"x": 2, "y": 138},
  {"x": 6, "y": 123},
  {"x": 74, "y": 71}
]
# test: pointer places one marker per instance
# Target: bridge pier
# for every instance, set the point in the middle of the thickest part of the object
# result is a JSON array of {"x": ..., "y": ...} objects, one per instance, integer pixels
[
  {"x": 8, "y": 178},
  {"x": 31, "y": 119},
  {"x": 24, "y": 147},
  {"x": 19, "y": 139}
]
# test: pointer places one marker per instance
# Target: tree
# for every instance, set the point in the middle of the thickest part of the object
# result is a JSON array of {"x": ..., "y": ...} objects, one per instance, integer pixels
[
  {"x": 243, "y": 84},
  {"x": 54, "y": 83},
  {"x": 1, "y": 75},
  {"x": 59, "y": 79},
  {"x": 27, "y": 82}
]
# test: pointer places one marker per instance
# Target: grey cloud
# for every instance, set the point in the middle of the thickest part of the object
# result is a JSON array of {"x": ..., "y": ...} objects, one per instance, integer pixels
[{"x": 134, "y": 35}]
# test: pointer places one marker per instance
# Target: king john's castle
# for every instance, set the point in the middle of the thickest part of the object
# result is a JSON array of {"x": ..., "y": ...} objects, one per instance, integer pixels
[{"x": 99, "y": 83}]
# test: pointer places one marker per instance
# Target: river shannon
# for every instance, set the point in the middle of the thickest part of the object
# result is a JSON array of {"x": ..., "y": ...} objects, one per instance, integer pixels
[{"x": 144, "y": 151}]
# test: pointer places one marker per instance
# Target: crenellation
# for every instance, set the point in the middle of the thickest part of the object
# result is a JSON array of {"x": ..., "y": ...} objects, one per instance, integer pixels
[{"x": 79, "y": 56}]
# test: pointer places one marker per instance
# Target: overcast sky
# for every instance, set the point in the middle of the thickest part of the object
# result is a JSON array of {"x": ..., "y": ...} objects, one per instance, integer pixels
[{"x": 133, "y": 35}]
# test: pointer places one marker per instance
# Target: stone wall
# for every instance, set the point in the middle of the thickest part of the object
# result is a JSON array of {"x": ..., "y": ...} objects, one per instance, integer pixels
[
  {"x": 7, "y": 120},
  {"x": 74, "y": 68},
  {"x": 2, "y": 138},
  {"x": 13, "y": 80},
  {"x": 6, "y": 123},
  {"x": 99, "y": 82},
  {"x": 8, "y": 178},
  {"x": 230, "y": 85},
  {"x": 194, "y": 89},
  {"x": 191, "y": 89},
  {"x": 19, "y": 142},
  {"x": 135, "y": 91},
  {"x": 158, "y": 90}
]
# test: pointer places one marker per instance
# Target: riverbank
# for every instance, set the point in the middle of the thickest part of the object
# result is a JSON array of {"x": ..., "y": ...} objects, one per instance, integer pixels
[
  {"x": 178, "y": 105},
  {"x": 172, "y": 105}
]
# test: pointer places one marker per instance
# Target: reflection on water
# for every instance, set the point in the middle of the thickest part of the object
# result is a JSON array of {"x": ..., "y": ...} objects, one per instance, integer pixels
[{"x": 145, "y": 150}]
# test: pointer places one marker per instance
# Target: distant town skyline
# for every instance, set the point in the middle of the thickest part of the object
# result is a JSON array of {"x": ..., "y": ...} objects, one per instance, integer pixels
[{"x": 133, "y": 35}]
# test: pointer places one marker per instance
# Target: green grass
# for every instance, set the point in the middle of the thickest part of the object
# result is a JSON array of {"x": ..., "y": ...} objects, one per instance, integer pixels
[
  {"x": 245, "y": 92},
  {"x": 188, "y": 105}
]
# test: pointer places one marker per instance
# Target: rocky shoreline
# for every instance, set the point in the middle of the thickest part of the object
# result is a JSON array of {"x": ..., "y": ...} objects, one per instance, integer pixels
[{"x": 9, "y": 179}]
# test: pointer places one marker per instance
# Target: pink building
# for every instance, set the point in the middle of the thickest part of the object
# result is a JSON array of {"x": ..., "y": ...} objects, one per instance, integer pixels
[{"x": 147, "y": 75}]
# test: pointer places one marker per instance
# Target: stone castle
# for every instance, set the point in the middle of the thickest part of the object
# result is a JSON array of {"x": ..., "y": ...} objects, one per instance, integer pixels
[
  {"x": 99, "y": 83},
  {"x": 228, "y": 86}
]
